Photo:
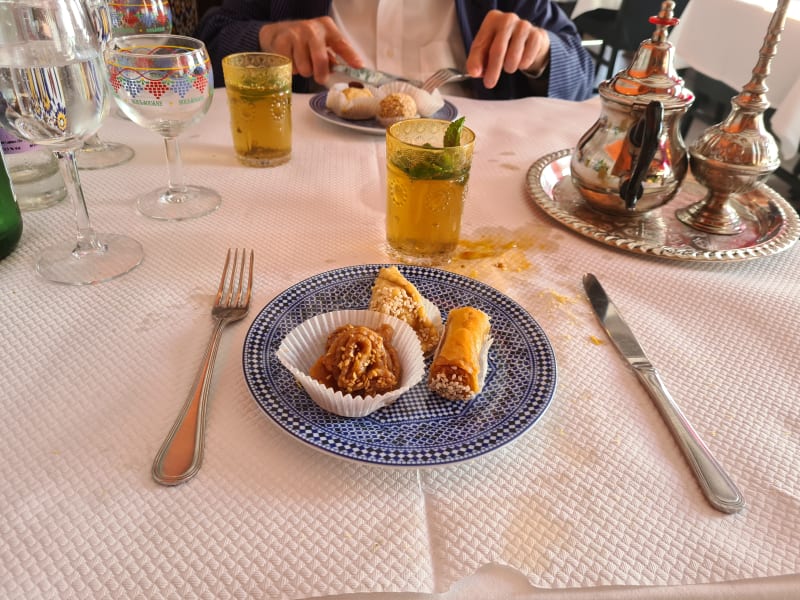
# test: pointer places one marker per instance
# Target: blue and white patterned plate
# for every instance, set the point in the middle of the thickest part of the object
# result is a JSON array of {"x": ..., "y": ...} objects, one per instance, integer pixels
[
  {"x": 420, "y": 429},
  {"x": 317, "y": 103}
]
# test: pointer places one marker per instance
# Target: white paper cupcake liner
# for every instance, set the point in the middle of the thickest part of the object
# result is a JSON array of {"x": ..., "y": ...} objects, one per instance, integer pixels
[
  {"x": 355, "y": 109},
  {"x": 427, "y": 103},
  {"x": 303, "y": 346}
]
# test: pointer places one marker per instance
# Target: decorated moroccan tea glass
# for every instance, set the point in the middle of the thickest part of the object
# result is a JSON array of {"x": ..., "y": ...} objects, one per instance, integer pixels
[
  {"x": 165, "y": 83},
  {"x": 426, "y": 190},
  {"x": 259, "y": 87}
]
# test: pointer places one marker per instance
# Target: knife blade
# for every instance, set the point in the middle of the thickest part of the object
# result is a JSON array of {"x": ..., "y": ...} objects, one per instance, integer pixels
[
  {"x": 717, "y": 486},
  {"x": 370, "y": 76}
]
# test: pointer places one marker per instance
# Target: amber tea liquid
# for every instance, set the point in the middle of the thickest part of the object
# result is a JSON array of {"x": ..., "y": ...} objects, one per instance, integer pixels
[
  {"x": 423, "y": 218},
  {"x": 261, "y": 124}
]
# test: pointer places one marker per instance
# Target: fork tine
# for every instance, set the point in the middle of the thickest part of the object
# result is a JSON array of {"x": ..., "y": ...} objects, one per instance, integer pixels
[
  {"x": 236, "y": 286},
  {"x": 441, "y": 77},
  {"x": 435, "y": 80},
  {"x": 222, "y": 279},
  {"x": 249, "y": 281},
  {"x": 232, "y": 278}
]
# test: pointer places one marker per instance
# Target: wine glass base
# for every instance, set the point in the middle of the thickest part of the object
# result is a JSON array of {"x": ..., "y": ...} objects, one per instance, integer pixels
[
  {"x": 107, "y": 154},
  {"x": 194, "y": 201},
  {"x": 113, "y": 255}
]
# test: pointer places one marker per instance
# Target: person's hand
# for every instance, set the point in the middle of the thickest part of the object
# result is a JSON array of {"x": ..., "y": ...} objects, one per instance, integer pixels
[
  {"x": 309, "y": 43},
  {"x": 506, "y": 42}
]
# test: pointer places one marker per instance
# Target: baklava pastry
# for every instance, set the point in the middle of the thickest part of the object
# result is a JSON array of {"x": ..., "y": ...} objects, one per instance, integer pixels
[
  {"x": 393, "y": 294},
  {"x": 458, "y": 369}
]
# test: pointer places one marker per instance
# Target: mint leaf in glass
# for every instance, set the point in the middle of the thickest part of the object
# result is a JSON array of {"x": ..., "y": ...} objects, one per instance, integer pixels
[{"x": 452, "y": 137}]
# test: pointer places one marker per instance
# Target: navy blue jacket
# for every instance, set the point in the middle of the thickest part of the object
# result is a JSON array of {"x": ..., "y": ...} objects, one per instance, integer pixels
[{"x": 234, "y": 26}]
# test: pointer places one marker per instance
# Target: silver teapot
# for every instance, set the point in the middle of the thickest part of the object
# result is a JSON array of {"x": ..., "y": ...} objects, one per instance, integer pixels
[{"x": 633, "y": 158}]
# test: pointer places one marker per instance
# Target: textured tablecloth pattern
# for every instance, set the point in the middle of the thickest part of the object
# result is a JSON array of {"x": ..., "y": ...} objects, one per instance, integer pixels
[{"x": 596, "y": 493}]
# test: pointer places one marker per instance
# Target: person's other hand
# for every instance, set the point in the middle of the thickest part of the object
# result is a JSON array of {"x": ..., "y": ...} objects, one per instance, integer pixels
[
  {"x": 309, "y": 43},
  {"x": 506, "y": 42}
]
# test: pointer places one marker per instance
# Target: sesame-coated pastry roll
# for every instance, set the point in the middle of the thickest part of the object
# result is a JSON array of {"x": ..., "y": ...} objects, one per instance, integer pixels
[
  {"x": 393, "y": 294},
  {"x": 459, "y": 365}
]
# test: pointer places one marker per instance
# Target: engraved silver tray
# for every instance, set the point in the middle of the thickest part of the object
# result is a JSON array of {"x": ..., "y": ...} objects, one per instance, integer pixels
[{"x": 770, "y": 223}]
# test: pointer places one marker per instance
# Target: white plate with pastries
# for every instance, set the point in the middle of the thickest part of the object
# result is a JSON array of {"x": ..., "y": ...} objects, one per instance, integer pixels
[
  {"x": 421, "y": 428},
  {"x": 317, "y": 102}
]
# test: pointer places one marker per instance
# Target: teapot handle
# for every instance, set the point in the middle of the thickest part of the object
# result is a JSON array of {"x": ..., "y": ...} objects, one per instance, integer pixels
[{"x": 643, "y": 138}]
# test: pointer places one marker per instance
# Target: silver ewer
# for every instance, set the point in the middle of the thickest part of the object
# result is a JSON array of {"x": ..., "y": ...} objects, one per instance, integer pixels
[{"x": 736, "y": 155}]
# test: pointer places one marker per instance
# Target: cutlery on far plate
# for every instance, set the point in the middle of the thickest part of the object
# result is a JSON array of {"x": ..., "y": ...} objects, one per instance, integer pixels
[
  {"x": 370, "y": 76},
  {"x": 181, "y": 455},
  {"x": 718, "y": 487},
  {"x": 441, "y": 77}
]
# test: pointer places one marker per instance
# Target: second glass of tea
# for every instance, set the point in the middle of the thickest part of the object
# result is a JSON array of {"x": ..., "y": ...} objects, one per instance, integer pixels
[
  {"x": 259, "y": 88},
  {"x": 426, "y": 190}
]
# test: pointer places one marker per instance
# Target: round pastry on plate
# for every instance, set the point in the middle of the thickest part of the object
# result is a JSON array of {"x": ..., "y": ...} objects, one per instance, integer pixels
[
  {"x": 427, "y": 102},
  {"x": 396, "y": 107}
]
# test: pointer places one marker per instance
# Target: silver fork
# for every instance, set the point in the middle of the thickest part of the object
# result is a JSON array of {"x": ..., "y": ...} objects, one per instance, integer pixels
[
  {"x": 441, "y": 77},
  {"x": 181, "y": 454}
]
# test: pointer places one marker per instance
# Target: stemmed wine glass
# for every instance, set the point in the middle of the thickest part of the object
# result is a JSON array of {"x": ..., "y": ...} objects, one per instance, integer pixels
[
  {"x": 123, "y": 17},
  {"x": 165, "y": 83},
  {"x": 52, "y": 93}
]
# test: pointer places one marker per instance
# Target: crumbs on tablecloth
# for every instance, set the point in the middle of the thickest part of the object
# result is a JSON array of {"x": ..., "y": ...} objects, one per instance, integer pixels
[
  {"x": 557, "y": 300},
  {"x": 560, "y": 303},
  {"x": 596, "y": 340}
]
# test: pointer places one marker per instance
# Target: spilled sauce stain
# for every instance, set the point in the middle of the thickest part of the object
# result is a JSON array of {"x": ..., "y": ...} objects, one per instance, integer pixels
[
  {"x": 495, "y": 255},
  {"x": 492, "y": 256}
]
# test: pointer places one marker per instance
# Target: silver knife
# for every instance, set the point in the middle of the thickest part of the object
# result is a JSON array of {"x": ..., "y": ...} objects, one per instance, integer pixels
[
  {"x": 718, "y": 487},
  {"x": 370, "y": 76}
]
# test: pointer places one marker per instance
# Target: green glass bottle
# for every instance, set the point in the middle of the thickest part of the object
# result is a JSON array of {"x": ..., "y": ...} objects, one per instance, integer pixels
[{"x": 10, "y": 217}]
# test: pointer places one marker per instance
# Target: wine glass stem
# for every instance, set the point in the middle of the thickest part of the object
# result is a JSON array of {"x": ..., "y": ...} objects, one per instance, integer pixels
[
  {"x": 87, "y": 239},
  {"x": 93, "y": 142},
  {"x": 174, "y": 166}
]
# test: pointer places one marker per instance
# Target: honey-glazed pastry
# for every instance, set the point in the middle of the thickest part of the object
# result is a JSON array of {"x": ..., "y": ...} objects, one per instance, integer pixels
[
  {"x": 393, "y": 294},
  {"x": 458, "y": 369},
  {"x": 301, "y": 350},
  {"x": 359, "y": 360}
]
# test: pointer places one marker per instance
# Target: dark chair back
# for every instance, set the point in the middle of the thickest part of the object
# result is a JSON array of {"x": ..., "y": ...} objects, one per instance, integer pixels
[
  {"x": 633, "y": 25},
  {"x": 622, "y": 30}
]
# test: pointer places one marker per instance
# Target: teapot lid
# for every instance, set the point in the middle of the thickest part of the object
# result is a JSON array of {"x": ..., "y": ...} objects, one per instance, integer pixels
[{"x": 651, "y": 74}]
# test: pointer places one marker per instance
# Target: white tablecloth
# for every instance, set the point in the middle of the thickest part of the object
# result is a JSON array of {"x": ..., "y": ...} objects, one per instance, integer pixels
[
  {"x": 722, "y": 38},
  {"x": 594, "y": 500}
]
